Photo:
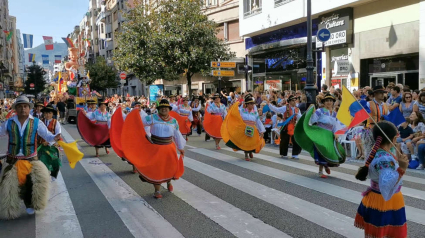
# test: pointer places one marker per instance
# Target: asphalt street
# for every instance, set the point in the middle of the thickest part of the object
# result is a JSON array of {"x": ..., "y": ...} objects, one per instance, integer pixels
[{"x": 219, "y": 195}]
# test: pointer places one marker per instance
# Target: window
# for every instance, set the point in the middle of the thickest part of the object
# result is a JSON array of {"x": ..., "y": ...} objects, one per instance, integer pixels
[
  {"x": 233, "y": 31},
  {"x": 101, "y": 28},
  {"x": 251, "y": 7},
  {"x": 209, "y": 3},
  {"x": 278, "y": 3},
  {"x": 115, "y": 16},
  {"x": 220, "y": 34}
]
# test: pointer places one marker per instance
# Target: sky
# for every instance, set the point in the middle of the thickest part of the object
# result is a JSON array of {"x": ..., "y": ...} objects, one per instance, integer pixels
[{"x": 55, "y": 18}]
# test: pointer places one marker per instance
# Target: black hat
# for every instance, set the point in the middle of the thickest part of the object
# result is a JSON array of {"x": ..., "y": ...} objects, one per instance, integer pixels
[
  {"x": 137, "y": 103},
  {"x": 90, "y": 101},
  {"x": 215, "y": 95},
  {"x": 328, "y": 96},
  {"x": 195, "y": 97},
  {"x": 185, "y": 99},
  {"x": 103, "y": 102},
  {"x": 164, "y": 103},
  {"x": 249, "y": 99},
  {"x": 290, "y": 98},
  {"x": 49, "y": 108},
  {"x": 379, "y": 89},
  {"x": 39, "y": 104}
]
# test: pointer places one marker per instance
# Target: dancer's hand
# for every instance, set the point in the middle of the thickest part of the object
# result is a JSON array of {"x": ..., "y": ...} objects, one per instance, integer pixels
[
  {"x": 261, "y": 135},
  {"x": 57, "y": 137},
  {"x": 181, "y": 152}
]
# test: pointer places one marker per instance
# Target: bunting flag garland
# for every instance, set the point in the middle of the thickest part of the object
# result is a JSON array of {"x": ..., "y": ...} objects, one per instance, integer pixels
[
  {"x": 45, "y": 59},
  {"x": 28, "y": 40},
  {"x": 8, "y": 35},
  {"x": 48, "y": 42},
  {"x": 68, "y": 42},
  {"x": 58, "y": 59},
  {"x": 31, "y": 57}
]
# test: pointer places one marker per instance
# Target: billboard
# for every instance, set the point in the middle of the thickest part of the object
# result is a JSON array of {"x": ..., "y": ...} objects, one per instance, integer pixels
[{"x": 155, "y": 92}]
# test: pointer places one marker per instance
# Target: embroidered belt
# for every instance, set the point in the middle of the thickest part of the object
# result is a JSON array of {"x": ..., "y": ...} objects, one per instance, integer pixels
[
  {"x": 251, "y": 123},
  {"x": 374, "y": 187},
  {"x": 161, "y": 140},
  {"x": 10, "y": 159},
  {"x": 101, "y": 122},
  {"x": 184, "y": 114},
  {"x": 216, "y": 114}
]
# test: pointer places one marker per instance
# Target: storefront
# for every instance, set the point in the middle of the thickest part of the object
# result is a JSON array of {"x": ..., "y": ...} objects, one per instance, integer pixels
[
  {"x": 402, "y": 69},
  {"x": 278, "y": 59}
]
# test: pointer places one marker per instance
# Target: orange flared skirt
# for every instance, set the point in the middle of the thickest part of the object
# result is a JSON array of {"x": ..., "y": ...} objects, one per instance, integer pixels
[{"x": 212, "y": 124}]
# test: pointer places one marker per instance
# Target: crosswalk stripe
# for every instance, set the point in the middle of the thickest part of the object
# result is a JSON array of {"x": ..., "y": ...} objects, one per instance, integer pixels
[
  {"x": 231, "y": 218},
  {"x": 413, "y": 214},
  {"x": 347, "y": 177},
  {"x": 139, "y": 217},
  {"x": 324, "y": 217},
  {"x": 356, "y": 167},
  {"x": 59, "y": 218}
]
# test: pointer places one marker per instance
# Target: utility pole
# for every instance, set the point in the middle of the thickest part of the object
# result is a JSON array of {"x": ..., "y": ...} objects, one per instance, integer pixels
[{"x": 310, "y": 89}]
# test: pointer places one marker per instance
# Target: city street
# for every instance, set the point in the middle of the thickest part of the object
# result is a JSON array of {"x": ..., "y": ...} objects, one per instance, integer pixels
[{"x": 219, "y": 195}]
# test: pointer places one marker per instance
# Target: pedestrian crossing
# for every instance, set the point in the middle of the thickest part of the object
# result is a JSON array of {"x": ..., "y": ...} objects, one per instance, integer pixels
[{"x": 222, "y": 195}]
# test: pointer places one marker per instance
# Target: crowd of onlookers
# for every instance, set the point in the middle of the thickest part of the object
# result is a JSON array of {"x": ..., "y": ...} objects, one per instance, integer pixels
[{"x": 411, "y": 104}]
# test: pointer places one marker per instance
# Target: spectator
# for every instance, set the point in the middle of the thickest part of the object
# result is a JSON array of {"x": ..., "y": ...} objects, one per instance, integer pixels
[
  {"x": 418, "y": 127},
  {"x": 407, "y": 106},
  {"x": 324, "y": 88},
  {"x": 276, "y": 128},
  {"x": 405, "y": 131},
  {"x": 268, "y": 124},
  {"x": 395, "y": 99}
]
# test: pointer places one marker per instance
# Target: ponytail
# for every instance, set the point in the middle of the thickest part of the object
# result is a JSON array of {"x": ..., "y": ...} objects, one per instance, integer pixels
[{"x": 364, "y": 171}]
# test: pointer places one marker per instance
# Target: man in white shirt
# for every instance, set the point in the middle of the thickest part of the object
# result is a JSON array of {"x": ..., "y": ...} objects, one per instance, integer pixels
[{"x": 24, "y": 176}]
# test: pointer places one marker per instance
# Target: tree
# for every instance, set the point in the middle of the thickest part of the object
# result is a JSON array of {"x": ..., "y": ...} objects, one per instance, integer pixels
[
  {"x": 102, "y": 75},
  {"x": 167, "y": 40},
  {"x": 35, "y": 76}
]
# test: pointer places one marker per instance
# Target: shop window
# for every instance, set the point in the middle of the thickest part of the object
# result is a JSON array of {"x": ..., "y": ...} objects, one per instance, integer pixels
[{"x": 251, "y": 7}]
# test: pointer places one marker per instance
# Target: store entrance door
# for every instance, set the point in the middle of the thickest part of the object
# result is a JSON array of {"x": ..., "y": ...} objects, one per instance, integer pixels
[{"x": 382, "y": 80}]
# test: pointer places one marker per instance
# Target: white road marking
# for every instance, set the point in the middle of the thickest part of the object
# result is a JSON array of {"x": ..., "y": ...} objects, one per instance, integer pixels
[
  {"x": 324, "y": 217},
  {"x": 59, "y": 218},
  {"x": 413, "y": 214},
  {"x": 139, "y": 217},
  {"x": 231, "y": 218}
]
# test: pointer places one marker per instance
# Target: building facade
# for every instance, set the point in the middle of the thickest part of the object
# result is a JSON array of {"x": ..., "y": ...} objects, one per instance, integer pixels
[
  {"x": 372, "y": 42},
  {"x": 6, "y": 67}
]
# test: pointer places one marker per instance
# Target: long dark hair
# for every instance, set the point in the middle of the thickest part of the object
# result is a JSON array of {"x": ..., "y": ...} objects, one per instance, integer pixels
[
  {"x": 380, "y": 139},
  {"x": 420, "y": 118}
]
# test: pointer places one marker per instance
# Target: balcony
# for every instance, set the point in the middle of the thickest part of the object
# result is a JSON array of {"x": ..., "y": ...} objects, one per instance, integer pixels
[{"x": 100, "y": 18}]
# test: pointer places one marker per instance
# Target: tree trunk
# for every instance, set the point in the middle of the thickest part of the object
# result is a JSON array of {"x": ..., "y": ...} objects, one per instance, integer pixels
[{"x": 189, "y": 85}]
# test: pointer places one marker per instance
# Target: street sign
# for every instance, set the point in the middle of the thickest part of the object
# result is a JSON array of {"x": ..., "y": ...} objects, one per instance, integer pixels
[
  {"x": 216, "y": 64},
  {"x": 32, "y": 85},
  {"x": 123, "y": 75},
  {"x": 223, "y": 73},
  {"x": 122, "y": 81},
  {"x": 323, "y": 35}
]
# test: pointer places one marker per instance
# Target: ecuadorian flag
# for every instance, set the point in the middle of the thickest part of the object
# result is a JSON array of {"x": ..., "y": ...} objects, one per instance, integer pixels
[{"x": 351, "y": 113}]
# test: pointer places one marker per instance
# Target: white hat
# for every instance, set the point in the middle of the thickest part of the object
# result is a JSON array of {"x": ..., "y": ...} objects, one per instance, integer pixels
[{"x": 22, "y": 100}]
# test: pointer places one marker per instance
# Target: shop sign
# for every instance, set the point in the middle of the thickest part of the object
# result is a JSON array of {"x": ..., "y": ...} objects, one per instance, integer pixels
[
  {"x": 223, "y": 73},
  {"x": 273, "y": 85},
  {"x": 341, "y": 67},
  {"x": 340, "y": 24}
]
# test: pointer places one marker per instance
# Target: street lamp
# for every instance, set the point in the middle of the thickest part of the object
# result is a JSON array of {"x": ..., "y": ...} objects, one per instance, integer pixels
[{"x": 310, "y": 88}]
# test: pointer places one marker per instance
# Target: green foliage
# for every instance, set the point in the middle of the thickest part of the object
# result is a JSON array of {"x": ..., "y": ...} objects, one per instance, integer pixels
[
  {"x": 35, "y": 76},
  {"x": 173, "y": 39},
  {"x": 102, "y": 75}
]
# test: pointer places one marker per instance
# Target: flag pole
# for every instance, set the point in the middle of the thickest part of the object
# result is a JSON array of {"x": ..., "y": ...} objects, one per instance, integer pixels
[{"x": 376, "y": 124}]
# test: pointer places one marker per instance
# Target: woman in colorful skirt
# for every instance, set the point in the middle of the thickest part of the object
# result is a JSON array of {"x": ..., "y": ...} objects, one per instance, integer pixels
[
  {"x": 48, "y": 152},
  {"x": 381, "y": 212},
  {"x": 242, "y": 129},
  {"x": 325, "y": 118},
  {"x": 102, "y": 117},
  {"x": 214, "y": 116}
]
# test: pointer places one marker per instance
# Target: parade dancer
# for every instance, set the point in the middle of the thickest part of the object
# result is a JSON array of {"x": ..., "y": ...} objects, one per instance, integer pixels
[
  {"x": 37, "y": 112},
  {"x": 91, "y": 107},
  {"x": 101, "y": 116},
  {"x": 184, "y": 117},
  {"x": 173, "y": 103},
  {"x": 48, "y": 152},
  {"x": 381, "y": 212},
  {"x": 159, "y": 162},
  {"x": 196, "y": 107},
  {"x": 287, "y": 133},
  {"x": 23, "y": 175},
  {"x": 242, "y": 129},
  {"x": 216, "y": 112},
  {"x": 325, "y": 118}
]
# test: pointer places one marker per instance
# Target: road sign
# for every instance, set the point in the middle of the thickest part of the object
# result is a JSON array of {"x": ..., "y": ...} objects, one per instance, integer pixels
[
  {"x": 223, "y": 73},
  {"x": 216, "y": 64},
  {"x": 323, "y": 35},
  {"x": 122, "y": 81},
  {"x": 32, "y": 85},
  {"x": 123, "y": 75}
]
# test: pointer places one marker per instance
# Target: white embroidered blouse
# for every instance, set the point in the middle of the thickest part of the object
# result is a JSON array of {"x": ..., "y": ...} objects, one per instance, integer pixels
[
  {"x": 221, "y": 109},
  {"x": 185, "y": 111},
  {"x": 252, "y": 116}
]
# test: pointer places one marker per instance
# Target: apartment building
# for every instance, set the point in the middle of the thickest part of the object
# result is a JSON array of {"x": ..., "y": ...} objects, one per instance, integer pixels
[
  {"x": 373, "y": 42},
  {"x": 5, "y": 52}
]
